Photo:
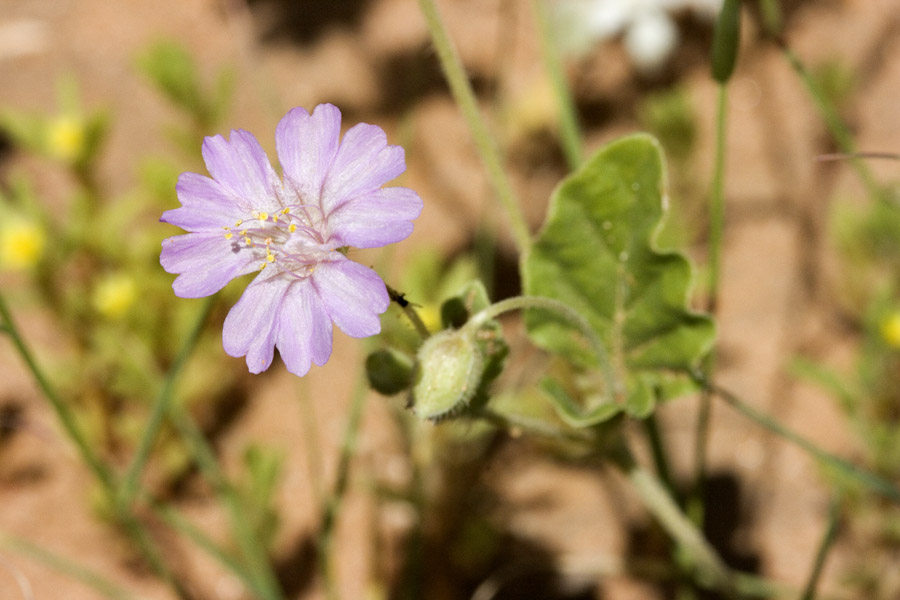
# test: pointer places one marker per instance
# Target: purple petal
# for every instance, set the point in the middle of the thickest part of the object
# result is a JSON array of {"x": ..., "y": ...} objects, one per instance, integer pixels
[
  {"x": 250, "y": 325},
  {"x": 353, "y": 295},
  {"x": 242, "y": 168},
  {"x": 204, "y": 205},
  {"x": 363, "y": 164},
  {"x": 306, "y": 146},
  {"x": 205, "y": 262},
  {"x": 304, "y": 329},
  {"x": 375, "y": 219}
]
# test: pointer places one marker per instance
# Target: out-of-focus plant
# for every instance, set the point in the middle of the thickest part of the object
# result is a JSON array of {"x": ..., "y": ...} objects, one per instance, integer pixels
[
  {"x": 71, "y": 136},
  {"x": 837, "y": 80},
  {"x": 104, "y": 290},
  {"x": 868, "y": 395},
  {"x": 91, "y": 256},
  {"x": 647, "y": 28},
  {"x": 23, "y": 233},
  {"x": 171, "y": 68},
  {"x": 669, "y": 115}
]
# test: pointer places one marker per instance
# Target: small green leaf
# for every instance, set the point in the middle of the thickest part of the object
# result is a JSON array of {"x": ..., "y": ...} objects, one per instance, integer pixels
[{"x": 597, "y": 254}]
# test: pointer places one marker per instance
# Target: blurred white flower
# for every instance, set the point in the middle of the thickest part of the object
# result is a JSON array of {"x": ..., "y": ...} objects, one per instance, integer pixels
[
  {"x": 650, "y": 40},
  {"x": 649, "y": 33}
]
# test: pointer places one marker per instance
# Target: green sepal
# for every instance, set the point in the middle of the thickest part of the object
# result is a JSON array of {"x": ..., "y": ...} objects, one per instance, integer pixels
[
  {"x": 455, "y": 367},
  {"x": 389, "y": 371}
]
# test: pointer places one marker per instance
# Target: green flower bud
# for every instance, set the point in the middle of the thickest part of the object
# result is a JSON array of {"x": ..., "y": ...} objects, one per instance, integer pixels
[
  {"x": 389, "y": 371},
  {"x": 449, "y": 371},
  {"x": 726, "y": 40},
  {"x": 454, "y": 313}
]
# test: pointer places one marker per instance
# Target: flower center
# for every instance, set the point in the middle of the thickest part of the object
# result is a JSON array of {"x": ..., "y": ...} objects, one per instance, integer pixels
[{"x": 293, "y": 240}]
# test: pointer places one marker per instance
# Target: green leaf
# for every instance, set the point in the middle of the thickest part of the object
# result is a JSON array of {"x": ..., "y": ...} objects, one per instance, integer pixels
[{"x": 597, "y": 254}]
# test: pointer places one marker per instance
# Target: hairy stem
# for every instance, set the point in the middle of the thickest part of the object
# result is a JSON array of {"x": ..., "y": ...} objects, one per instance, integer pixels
[
  {"x": 833, "y": 122},
  {"x": 130, "y": 482},
  {"x": 62, "y": 410},
  {"x": 465, "y": 98},
  {"x": 711, "y": 572},
  {"x": 570, "y": 132},
  {"x": 867, "y": 478}
]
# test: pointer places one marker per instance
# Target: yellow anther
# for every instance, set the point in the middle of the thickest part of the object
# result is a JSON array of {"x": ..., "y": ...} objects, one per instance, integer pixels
[
  {"x": 238, "y": 222},
  {"x": 292, "y": 228},
  {"x": 270, "y": 257},
  {"x": 268, "y": 241},
  {"x": 248, "y": 241},
  {"x": 229, "y": 235},
  {"x": 286, "y": 211},
  {"x": 262, "y": 266},
  {"x": 263, "y": 216}
]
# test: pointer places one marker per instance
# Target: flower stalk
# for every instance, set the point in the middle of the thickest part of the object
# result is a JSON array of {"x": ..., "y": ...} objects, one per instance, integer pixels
[{"x": 465, "y": 98}]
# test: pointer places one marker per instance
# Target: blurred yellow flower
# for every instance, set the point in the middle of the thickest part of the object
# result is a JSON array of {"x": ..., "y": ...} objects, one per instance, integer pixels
[
  {"x": 890, "y": 329},
  {"x": 431, "y": 316},
  {"x": 21, "y": 243},
  {"x": 65, "y": 138},
  {"x": 114, "y": 295}
]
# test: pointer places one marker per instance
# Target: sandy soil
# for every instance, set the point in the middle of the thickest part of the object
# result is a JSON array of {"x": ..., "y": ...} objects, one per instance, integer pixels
[{"x": 371, "y": 58}]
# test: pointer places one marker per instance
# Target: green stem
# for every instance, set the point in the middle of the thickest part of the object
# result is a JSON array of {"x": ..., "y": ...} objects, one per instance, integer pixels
[
  {"x": 570, "y": 132},
  {"x": 711, "y": 572},
  {"x": 410, "y": 312},
  {"x": 834, "y": 513},
  {"x": 836, "y": 126},
  {"x": 333, "y": 505},
  {"x": 253, "y": 552},
  {"x": 130, "y": 482},
  {"x": 695, "y": 503},
  {"x": 717, "y": 200},
  {"x": 98, "y": 583},
  {"x": 203, "y": 541},
  {"x": 614, "y": 387},
  {"x": 657, "y": 447},
  {"x": 133, "y": 527},
  {"x": 870, "y": 480},
  {"x": 62, "y": 410},
  {"x": 141, "y": 537},
  {"x": 465, "y": 98},
  {"x": 771, "y": 16}
]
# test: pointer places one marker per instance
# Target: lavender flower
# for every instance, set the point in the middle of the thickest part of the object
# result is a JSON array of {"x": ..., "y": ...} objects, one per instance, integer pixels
[{"x": 294, "y": 232}]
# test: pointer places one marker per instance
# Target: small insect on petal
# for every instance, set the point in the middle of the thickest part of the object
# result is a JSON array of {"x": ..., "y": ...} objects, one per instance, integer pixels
[{"x": 291, "y": 233}]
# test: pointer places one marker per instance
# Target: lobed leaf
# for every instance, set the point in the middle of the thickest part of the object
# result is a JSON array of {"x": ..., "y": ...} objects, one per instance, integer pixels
[{"x": 596, "y": 253}]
